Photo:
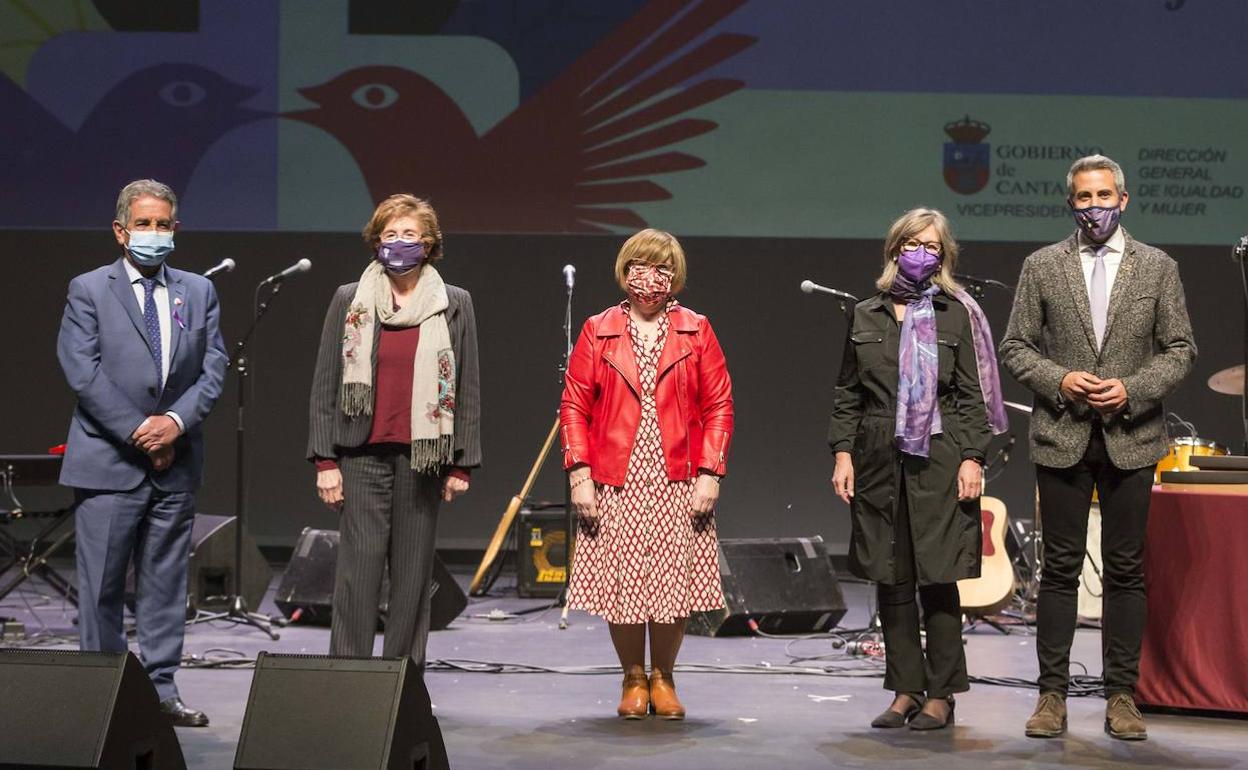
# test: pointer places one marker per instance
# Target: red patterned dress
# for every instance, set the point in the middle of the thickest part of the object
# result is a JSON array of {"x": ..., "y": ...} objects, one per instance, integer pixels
[{"x": 646, "y": 558}]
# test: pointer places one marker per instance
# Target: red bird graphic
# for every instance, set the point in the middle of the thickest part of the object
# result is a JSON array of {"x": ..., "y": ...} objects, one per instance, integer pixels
[{"x": 571, "y": 158}]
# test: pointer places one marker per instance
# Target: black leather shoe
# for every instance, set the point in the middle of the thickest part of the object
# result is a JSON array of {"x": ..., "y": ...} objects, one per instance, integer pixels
[
  {"x": 925, "y": 721},
  {"x": 181, "y": 715},
  {"x": 892, "y": 719}
]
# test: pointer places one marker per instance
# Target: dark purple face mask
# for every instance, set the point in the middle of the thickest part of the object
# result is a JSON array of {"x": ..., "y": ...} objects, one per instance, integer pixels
[
  {"x": 399, "y": 257},
  {"x": 1096, "y": 223}
]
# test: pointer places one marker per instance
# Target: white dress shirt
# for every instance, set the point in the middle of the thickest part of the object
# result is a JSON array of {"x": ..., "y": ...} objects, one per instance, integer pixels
[
  {"x": 1117, "y": 244},
  {"x": 160, "y": 295}
]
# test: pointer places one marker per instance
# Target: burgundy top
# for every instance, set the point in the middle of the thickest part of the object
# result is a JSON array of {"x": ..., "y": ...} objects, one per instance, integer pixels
[
  {"x": 392, "y": 402},
  {"x": 392, "y": 392}
]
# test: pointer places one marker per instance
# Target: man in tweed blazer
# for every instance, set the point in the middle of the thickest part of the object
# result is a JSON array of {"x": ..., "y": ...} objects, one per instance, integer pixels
[{"x": 1100, "y": 333}]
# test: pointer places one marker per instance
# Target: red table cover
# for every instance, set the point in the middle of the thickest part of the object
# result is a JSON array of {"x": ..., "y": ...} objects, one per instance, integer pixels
[{"x": 1195, "y": 652}]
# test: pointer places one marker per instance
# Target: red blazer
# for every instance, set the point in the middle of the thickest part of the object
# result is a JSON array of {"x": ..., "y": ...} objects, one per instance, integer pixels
[{"x": 601, "y": 407}]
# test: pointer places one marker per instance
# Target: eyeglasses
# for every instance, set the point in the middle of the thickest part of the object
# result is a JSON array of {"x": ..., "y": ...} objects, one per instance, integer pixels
[{"x": 932, "y": 247}]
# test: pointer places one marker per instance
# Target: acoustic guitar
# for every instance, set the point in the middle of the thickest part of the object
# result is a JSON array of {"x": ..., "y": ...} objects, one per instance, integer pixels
[{"x": 992, "y": 590}]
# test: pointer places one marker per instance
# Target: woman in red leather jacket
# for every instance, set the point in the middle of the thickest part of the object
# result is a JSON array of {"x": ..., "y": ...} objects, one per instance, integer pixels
[{"x": 645, "y": 424}]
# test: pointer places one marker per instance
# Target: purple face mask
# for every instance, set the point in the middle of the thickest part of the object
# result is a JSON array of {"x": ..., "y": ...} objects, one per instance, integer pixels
[
  {"x": 914, "y": 268},
  {"x": 918, "y": 265},
  {"x": 399, "y": 257},
  {"x": 1096, "y": 223}
]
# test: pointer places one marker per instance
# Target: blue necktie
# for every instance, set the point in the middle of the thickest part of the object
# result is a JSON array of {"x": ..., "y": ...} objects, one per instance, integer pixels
[{"x": 152, "y": 320}]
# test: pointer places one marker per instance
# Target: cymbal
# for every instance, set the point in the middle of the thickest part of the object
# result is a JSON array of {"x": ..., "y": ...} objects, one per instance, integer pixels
[{"x": 1229, "y": 381}]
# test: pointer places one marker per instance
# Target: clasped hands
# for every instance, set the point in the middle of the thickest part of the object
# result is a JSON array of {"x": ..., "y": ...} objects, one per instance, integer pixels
[
  {"x": 155, "y": 436},
  {"x": 1108, "y": 397}
]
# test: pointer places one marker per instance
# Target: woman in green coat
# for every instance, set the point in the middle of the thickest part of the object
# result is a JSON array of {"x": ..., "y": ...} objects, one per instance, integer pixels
[{"x": 917, "y": 392}]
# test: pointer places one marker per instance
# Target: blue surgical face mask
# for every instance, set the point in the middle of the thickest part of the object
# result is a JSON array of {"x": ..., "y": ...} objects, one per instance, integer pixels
[{"x": 150, "y": 248}]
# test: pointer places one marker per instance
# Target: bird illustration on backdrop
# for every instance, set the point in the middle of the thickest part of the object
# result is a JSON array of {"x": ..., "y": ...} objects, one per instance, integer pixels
[
  {"x": 572, "y": 158},
  {"x": 157, "y": 122}
]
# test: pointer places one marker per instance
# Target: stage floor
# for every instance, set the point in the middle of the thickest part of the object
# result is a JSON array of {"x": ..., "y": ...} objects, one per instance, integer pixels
[{"x": 736, "y": 720}]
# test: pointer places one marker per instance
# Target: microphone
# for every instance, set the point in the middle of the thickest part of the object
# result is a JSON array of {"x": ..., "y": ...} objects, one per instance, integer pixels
[
  {"x": 810, "y": 287},
  {"x": 983, "y": 281},
  {"x": 302, "y": 266},
  {"x": 569, "y": 276},
  {"x": 224, "y": 266}
]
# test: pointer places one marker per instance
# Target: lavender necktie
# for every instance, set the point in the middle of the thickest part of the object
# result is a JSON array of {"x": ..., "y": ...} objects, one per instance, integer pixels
[{"x": 1099, "y": 296}]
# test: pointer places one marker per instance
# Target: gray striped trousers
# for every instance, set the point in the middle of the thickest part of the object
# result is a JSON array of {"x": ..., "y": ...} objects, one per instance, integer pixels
[{"x": 389, "y": 517}]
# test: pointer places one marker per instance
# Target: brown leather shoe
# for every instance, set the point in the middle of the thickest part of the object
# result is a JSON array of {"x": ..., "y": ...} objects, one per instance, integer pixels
[
  {"x": 663, "y": 696},
  {"x": 1123, "y": 719},
  {"x": 1049, "y": 718},
  {"x": 635, "y": 701}
]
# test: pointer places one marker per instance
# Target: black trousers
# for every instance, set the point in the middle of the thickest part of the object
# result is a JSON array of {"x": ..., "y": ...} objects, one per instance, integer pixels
[
  {"x": 1065, "y": 499},
  {"x": 389, "y": 518},
  {"x": 942, "y": 671}
]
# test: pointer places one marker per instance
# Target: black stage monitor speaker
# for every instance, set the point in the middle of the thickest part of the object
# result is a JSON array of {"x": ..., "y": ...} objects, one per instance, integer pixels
[
  {"x": 210, "y": 578},
  {"x": 308, "y": 583},
  {"x": 541, "y": 551},
  {"x": 68, "y": 709},
  {"x": 786, "y": 585},
  {"x": 308, "y": 712}
]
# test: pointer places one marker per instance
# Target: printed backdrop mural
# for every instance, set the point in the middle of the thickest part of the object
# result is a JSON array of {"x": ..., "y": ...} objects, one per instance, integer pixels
[{"x": 809, "y": 118}]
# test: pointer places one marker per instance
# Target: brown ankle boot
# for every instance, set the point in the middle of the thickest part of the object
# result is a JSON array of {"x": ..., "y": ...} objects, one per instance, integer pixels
[
  {"x": 663, "y": 696},
  {"x": 635, "y": 701}
]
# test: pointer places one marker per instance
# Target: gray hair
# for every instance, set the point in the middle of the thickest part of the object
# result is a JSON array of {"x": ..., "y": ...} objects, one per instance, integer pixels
[
  {"x": 143, "y": 188},
  {"x": 1094, "y": 163}
]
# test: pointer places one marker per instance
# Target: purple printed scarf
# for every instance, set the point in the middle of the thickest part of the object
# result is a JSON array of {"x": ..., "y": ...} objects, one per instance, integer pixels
[{"x": 918, "y": 418}]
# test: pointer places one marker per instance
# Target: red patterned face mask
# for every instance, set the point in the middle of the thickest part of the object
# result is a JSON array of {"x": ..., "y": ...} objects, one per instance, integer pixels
[{"x": 649, "y": 284}]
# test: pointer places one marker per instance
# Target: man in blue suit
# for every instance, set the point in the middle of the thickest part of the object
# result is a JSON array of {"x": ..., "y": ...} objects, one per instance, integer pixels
[{"x": 141, "y": 347}]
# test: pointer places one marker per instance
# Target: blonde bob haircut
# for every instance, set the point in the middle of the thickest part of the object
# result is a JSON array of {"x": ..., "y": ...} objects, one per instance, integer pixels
[
  {"x": 908, "y": 225},
  {"x": 403, "y": 205},
  {"x": 652, "y": 247}
]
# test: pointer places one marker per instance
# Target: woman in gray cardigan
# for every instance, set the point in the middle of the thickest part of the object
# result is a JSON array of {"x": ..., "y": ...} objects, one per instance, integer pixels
[{"x": 394, "y": 425}]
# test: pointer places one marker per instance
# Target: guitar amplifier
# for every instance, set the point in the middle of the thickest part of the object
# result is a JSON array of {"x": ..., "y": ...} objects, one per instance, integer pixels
[{"x": 541, "y": 551}]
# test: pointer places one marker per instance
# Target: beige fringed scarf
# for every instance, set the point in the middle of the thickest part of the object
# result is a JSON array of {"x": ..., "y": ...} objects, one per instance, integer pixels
[{"x": 433, "y": 370}]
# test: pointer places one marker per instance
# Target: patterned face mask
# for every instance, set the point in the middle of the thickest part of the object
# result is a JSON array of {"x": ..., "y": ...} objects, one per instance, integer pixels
[
  {"x": 648, "y": 284},
  {"x": 1096, "y": 222}
]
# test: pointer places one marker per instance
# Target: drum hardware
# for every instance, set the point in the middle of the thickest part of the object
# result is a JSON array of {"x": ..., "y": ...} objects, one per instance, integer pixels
[
  {"x": 1229, "y": 381},
  {"x": 1091, "y": 591}
]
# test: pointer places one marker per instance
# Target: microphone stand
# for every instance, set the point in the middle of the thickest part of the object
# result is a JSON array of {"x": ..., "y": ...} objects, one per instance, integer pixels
[
  {"x": 1240, "y": 254},
  {"x": 569, "y": 518},
  {"x": 238, "y": 611},
  {"x": 978, "y": 287}
]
